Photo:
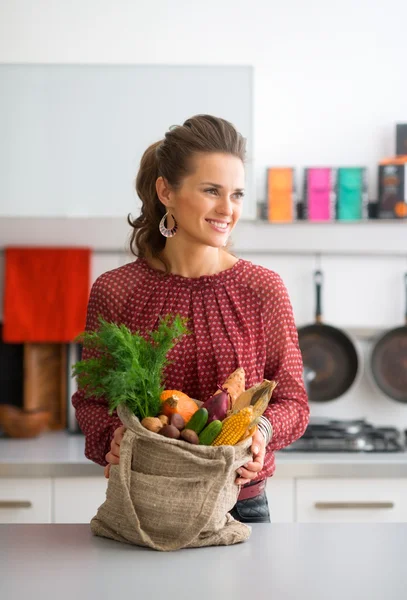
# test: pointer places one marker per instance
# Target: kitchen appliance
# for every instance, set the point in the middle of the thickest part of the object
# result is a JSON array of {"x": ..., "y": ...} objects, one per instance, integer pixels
[
  {"x": 329, "y": 353},
  {"x": 388, "y": 360},
  {"x": 330, "y": 435}
]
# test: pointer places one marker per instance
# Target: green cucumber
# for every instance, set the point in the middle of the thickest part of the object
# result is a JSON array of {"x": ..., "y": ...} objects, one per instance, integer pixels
[
  {"x": 198, "y": 420},
  {"x": 210, "y": 433}
]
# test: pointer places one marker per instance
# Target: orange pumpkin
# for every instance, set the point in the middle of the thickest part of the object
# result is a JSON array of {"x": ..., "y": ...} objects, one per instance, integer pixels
[
  {"x": 170, "y": 393},
  {"x": 180, "y": 404}
]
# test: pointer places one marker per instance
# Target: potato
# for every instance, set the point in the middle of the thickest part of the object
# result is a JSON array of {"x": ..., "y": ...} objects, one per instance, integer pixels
[
  {"x": 163, "y": 419},
  {"x": 152, "y": 424},
  {"x": 170, "y": 431},
  {"x": 190, "y": 436},
  {"x": 178, "y": 421}
]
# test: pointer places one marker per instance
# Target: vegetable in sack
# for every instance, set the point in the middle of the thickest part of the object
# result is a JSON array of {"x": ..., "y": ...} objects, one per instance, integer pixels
[
  {"x": 261, "y": 398},
  {"x": 260, "y": 393},
  {"x": 198, "y": 420},
  {"x": 190, "y": 436},
  {"x": 178, "y": 421},
  {"x": 217, "y": 406},
  {"x": 170, "y": 393},
  {"x": 128, "y": 368},
  {"x": 179, "y": 404},
  {"x": 234, "y": 385},
  {"x": 164, "y": 419},
  {"x": 245, "y": 398},
  {"x": 210, "y": 433},
  {"x": 249, "y": 433},
  {"x": 235, "y": 427},
  {"x": 170, "y": 431},
  {"x": 152, "y": 424}
]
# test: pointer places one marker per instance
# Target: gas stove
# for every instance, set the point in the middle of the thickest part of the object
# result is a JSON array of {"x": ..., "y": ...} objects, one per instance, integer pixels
[{"x": 328, "y": 435}]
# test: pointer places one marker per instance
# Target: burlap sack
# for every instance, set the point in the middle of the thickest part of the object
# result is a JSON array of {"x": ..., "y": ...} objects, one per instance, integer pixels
[{"x": 167, "y": 494}]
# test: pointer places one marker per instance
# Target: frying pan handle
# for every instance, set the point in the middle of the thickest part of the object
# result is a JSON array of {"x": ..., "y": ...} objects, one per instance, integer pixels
[{"x": 318, "y": 280}]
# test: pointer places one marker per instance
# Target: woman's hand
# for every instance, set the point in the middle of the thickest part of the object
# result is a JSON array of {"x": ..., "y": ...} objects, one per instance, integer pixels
[
  {"x": 113, "y": 456},
  {"x": 250, "y": 470}
]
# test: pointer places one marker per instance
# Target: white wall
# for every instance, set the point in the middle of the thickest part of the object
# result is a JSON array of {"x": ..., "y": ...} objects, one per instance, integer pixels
[
  {"x": 330, "y": 76},
  {"x": 330, "y": 86}
]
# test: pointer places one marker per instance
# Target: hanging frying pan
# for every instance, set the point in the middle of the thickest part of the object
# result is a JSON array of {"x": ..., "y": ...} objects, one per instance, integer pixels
[
  {"x": 388, "y": 360},
  {"x": 330, "y": 353}
]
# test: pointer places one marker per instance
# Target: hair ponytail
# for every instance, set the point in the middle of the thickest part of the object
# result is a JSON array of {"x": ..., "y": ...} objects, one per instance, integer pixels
[{"x": 146, "y": 237}]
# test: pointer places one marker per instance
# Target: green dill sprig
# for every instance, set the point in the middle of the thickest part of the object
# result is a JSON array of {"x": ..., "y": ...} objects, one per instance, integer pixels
[{"x": 129, "y": 367}]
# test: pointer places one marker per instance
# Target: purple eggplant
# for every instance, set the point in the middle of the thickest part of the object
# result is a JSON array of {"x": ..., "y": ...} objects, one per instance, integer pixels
[{"x": 217, "y": 406}]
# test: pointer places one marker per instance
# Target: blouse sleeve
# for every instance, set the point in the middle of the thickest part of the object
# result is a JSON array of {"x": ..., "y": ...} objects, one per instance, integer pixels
[
  {"x": 91, "y": 412},
  {"x": 288, "y": 411}
]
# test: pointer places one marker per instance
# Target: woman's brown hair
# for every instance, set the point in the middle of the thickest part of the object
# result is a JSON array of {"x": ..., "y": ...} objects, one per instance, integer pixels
[{"x": 170, "y": 158}]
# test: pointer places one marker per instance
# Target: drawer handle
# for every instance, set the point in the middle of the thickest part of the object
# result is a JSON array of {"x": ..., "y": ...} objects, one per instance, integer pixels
[
  {"x": 353, "y": 505},
  {"x": 15, "y": 504}
]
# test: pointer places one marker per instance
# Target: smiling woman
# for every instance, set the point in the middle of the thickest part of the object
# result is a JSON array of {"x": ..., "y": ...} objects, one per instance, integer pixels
[
  {"x": 193, "y": 180},
  {"x": 191, "y": 185}
]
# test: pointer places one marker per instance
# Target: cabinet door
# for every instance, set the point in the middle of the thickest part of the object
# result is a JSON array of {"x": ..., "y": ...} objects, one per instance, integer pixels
[
  {"x": 25, "y": 500},
  {"x": 351, "y": 500},
  {"x": 76, "y": 499},
  {"x": 280, "y": 496}
]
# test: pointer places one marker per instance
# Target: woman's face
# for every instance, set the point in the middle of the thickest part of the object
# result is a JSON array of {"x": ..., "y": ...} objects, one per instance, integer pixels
[{"x": 208, "y": 203}]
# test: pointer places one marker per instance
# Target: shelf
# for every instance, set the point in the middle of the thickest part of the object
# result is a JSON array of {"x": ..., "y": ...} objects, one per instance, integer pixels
[
  {"x": 374, "y": 237},
  {"x": 370, "y": 237}
]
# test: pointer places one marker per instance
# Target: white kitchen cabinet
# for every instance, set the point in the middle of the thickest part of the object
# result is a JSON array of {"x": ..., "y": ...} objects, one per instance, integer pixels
[
  {"x": 25, "y": 500},
  {"x": 351, "y": 500},
  {"x": 76, "y": 499},
  {"x": 280, "y": 497}
]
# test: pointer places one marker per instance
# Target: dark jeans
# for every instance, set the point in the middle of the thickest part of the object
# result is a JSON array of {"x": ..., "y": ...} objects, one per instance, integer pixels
[{"x": 252, "y": 510}]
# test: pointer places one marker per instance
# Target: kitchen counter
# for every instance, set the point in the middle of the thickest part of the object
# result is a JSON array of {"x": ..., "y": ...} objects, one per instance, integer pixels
[
  {"x": 60, "y": 454},
  {"x": 279, "y": 561}
]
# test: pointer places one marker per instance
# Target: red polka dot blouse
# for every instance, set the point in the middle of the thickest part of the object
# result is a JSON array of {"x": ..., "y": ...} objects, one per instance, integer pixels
[{"x": 241, "y": 317}]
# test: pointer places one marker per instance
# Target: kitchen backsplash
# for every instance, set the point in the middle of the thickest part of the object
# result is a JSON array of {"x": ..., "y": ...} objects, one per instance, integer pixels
[{"x": 359, "y": 292}]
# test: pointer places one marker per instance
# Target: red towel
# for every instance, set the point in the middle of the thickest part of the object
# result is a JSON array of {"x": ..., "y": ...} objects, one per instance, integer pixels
[{"x": 46, "y": 293}]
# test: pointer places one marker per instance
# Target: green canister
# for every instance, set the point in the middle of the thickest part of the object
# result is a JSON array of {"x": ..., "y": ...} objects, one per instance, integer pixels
[{"x": 352, "y": 200}]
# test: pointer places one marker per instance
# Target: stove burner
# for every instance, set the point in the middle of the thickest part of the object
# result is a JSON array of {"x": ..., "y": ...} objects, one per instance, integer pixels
[{"x": 329, "y": 435}]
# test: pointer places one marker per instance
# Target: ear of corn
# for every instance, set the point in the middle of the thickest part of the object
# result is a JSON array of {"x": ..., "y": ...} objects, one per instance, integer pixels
[
  {"x": 249, "y": 432},
  {"x": 234, "y": 427},
  {"x": 261, "y": 398}
]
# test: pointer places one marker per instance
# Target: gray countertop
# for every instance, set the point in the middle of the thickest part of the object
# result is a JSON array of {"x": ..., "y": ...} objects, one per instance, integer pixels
[
  {"x": 60, "y": 454},
  {"x": 278, "y": 562}
]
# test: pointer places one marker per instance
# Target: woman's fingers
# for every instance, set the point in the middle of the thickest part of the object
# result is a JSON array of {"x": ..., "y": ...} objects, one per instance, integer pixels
[
  {"x": 249, "y": 473},
  {"x": 118, "y": 435},
  {"x": 115, "y": 448},
  {"x": 240, "y": 481},
  {"x": 245, "y": 475},
  {"x": 113, "y": 456},
  {"x": 250, "y": 470}
]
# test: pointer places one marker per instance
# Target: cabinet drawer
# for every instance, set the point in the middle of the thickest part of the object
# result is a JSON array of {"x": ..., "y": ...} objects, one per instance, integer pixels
[
  {"x": 280, "y": 497},
  {"x": 351, "y": 500},
  {"x": 25, "y": 500},
  {"x": 76, "y": 499}
]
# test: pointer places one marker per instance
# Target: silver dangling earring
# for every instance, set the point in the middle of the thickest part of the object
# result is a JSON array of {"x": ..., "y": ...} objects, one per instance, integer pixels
[{"x": 163, "y": 229}]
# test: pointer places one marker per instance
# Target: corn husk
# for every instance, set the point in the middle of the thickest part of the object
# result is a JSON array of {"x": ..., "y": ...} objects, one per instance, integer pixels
[{"x": 257, "y": 396}]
